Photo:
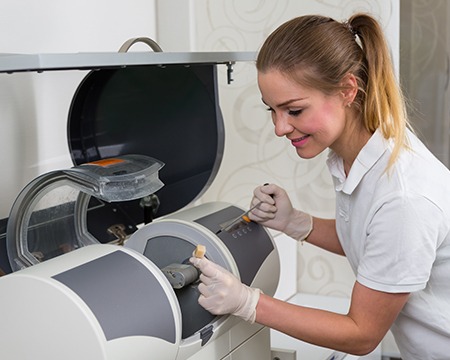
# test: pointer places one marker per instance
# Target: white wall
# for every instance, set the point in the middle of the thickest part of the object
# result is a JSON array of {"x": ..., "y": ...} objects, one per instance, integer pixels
[{"x": 33, "y": 107}]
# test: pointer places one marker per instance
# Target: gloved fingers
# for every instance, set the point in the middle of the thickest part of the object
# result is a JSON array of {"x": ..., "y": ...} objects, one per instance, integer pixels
[
  {"x": 215, "y": 301},
  {"x": 273, "y": 191},
  {"x": 207, "y": 280},
  {"x": 261, "y": 215},
  {"x": 264, "y": 194},
  {"x": 220, "y": 291},
  {"x": 263, "y": 212},
  {"x": 205, "y": 266},
  {"x": 210, "y": 304},
  {"x": 206, "y": 290},
  {"x": 195, "y": 261},
  {"x": 222, "y": 278}
]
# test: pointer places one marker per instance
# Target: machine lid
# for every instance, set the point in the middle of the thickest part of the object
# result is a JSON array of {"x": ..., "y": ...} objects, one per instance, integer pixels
[
  {"x": 168, "y": 112},
  {"x": 160, "y": 104},
  {"x": 48, "y": 217}
]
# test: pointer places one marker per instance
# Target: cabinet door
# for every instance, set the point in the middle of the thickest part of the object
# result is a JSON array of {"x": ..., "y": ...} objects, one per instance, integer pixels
[{"x": 256, "y": 348}]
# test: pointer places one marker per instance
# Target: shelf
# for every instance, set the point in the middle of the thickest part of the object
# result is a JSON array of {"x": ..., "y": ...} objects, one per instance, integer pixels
[{"x": 12, "y": 63}]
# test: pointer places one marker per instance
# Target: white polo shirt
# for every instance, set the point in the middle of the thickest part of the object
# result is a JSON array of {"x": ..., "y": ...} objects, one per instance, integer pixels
[{"x": 395, "y": 230}]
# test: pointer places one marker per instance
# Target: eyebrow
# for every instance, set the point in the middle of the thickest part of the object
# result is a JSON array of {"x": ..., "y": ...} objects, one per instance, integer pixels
[{"x": 287, "y": 102}]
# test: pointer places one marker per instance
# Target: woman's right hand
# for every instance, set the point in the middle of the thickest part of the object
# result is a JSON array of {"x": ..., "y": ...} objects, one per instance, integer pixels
[
  {"x": 275, "y": 208},
  {"x": 276, "y": 212}
]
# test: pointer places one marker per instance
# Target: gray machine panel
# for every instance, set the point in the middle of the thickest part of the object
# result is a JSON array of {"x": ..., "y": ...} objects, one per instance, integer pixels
[
  {"x": 250, "y": 238},
  {"x": 165, "y": 250},
  {"x": 124, "y": 297}
]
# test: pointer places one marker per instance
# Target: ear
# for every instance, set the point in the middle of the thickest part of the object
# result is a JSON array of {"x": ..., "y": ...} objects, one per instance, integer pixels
[{"x": 349, "y": 89}]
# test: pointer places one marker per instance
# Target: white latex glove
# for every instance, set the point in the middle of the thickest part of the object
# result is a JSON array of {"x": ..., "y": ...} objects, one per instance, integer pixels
[
  {"x": 222, "y": 292},
  {"x": 276, "y": 212}
]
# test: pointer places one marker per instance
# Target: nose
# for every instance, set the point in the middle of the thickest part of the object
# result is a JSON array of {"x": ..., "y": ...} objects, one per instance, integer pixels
[{"x": 282, "y": 125}]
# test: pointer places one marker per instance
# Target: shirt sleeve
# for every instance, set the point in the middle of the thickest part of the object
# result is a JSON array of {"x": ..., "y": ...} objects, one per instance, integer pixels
[{"x": 402, "y": 238}]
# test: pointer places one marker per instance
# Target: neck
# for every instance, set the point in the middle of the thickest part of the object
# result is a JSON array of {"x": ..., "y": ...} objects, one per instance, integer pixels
[{"x": 350, "y": 143}]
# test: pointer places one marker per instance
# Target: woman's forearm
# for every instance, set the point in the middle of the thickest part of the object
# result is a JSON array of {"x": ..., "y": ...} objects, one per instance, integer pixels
[
  {"x": 324, "y": 235},
  {"x": 315, "y": 326}
]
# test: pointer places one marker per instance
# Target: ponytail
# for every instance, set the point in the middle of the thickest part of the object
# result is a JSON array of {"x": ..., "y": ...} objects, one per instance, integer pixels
[{"x": 384, "y": 106}]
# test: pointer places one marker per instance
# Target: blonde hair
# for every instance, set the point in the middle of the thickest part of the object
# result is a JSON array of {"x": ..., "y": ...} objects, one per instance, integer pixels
[{"x": 326, "y": 50}]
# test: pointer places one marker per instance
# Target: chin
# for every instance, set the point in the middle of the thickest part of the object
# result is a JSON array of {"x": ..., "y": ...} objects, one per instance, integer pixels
[{"x": 307, "y": 154}]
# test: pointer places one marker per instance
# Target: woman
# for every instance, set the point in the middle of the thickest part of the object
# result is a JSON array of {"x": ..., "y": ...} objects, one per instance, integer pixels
[{"x": 331, "y": 85}]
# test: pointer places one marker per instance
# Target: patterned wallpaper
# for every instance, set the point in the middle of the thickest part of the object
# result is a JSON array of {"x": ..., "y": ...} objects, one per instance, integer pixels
[{"x": 253, "y": 154}]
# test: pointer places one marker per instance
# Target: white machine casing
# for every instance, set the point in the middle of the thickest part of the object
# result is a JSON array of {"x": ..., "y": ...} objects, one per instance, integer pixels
[
  {"x": 75, "y": 291},
  {"x": 104, "y": 301}
]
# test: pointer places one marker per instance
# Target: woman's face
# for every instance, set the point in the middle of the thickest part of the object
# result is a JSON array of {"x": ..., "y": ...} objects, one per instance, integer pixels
[{"x": 310, "y": 119}]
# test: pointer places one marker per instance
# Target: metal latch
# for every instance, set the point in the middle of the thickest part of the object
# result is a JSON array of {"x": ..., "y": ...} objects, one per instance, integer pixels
[
  {"x": 230, "y": 72},
  {"x": 206, "y": 334}
]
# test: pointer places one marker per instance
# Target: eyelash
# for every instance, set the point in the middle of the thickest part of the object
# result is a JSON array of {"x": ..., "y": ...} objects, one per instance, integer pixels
[
  {"x": 290, "y": 112},
  {"x": 295, "y": 112}
]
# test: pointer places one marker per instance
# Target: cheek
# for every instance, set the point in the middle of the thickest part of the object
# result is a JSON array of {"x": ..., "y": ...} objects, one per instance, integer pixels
[{"x": 332, "y": 116}]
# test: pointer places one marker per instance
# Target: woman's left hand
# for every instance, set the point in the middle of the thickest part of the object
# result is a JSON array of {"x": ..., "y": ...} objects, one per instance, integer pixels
[{"x": 223, "y": 293}]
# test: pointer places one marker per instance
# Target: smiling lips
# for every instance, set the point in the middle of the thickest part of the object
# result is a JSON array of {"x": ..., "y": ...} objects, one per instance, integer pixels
[{"x": 300, "y": 141}]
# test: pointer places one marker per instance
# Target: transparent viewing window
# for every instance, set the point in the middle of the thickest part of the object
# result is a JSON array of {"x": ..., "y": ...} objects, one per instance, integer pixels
[{"x": 52, "y": 229}]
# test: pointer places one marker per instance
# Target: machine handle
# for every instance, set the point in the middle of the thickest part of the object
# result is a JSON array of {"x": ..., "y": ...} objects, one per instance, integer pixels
[{"x": 127, "y": 44}]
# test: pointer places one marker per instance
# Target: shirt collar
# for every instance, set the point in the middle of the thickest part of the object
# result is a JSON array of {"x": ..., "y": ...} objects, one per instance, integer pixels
[{"x": 367, "y": 157}]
